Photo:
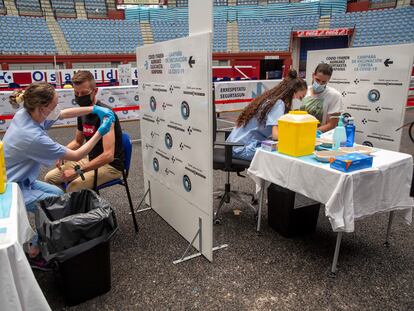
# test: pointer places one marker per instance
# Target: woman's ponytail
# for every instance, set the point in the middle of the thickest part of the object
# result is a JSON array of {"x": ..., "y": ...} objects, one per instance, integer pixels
[
  {"x": 16, "y": 99},
  {"x": 38, "y": 94}
]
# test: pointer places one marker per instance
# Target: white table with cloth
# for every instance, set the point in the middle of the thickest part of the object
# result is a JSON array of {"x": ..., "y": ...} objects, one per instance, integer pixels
[
  {"x": 19, "y": 289},
  {"x": 347, "y": 196}
]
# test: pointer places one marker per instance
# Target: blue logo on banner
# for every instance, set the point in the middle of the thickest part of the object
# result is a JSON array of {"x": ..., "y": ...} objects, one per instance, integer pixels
[
  {"x": 153, "y": 103},
  {"x": 168, "y": 141},
  {"x": 185, "y": 110},
  {"x": 374, "y": 95},
  {"x": 155, "y": 164},
  {"x": 187, "y": 183},
  {"x": 346, "y": 116},
  {"x": 5, "y": 77}
]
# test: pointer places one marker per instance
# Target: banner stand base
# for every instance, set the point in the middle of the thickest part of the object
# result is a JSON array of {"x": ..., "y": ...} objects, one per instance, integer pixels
[
  {"x": 184, "y": 257},
  {"x": 198, "y": 254},
  {"x": 147, "y": 193}
]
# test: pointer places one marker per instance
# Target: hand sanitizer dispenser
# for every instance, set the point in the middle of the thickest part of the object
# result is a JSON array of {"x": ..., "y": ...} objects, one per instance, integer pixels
[{"x": 339, "y": 135}]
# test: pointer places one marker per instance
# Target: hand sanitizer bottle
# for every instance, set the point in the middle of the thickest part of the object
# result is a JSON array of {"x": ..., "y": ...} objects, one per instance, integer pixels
[{"x": 339, "y": 135}]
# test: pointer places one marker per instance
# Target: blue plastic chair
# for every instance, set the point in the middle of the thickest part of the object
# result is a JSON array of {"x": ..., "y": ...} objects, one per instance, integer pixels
[{"x": 127, "y": 144}]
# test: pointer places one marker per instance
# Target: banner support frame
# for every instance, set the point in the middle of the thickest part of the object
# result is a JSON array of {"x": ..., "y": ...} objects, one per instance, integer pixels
[
  {"x": 184, "y": 256},
  {"x": 147, "y": 193}
]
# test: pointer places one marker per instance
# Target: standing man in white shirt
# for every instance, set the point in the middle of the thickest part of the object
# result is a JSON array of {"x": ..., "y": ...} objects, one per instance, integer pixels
[{"x": 321, "y": 100}]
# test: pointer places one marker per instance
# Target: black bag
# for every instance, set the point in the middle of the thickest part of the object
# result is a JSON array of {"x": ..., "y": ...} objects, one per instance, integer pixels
[
  {"x": 73, "y": 223},
  {"x": 290, "y": 213}
]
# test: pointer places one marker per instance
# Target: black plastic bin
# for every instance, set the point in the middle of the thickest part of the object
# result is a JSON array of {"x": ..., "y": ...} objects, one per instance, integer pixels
[
  {"x": 75, "y": 231},
  {"x": 86, "y": 275},
  {"x": 290, "y": 213}
]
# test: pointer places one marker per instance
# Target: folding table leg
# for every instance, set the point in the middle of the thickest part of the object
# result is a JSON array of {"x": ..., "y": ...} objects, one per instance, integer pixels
[
  {"x": 261, "y": 199},
  {"x": 390, "y": 220},
  {"x": 336, "y": 255}
]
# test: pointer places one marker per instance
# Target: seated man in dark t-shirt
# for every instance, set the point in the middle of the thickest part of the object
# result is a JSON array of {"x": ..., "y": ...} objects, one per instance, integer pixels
[{"x": 108, "y": 154}]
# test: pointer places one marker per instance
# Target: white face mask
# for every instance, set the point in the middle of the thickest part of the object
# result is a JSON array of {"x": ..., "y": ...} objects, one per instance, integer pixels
[{"x": 54, "y": 114}]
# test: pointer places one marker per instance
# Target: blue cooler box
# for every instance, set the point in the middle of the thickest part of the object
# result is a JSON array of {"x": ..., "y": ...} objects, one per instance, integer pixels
[{"x": 352, "y": 162}]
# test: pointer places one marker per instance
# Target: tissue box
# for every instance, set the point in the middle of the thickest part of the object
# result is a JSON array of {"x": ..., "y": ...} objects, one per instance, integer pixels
[
  {"x": 351, "y": 162},
  {"x": 269, "y": 145}
]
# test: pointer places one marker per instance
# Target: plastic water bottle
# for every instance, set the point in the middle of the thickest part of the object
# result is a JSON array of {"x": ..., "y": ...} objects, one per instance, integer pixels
[{"x": 350, "y": 132}]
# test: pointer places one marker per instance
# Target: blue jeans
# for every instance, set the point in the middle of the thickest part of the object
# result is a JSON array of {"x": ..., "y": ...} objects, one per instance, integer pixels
[{"x": 45, "y": 190}]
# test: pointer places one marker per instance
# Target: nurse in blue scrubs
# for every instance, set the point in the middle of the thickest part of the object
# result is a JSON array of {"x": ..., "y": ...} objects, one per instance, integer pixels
[
  {"x": 258, "y": 121},
  {"x": 27, "y": 145}
]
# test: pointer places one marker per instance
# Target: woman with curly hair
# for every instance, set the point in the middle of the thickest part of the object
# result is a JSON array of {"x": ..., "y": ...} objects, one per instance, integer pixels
[{"x": 258, "y": 121}]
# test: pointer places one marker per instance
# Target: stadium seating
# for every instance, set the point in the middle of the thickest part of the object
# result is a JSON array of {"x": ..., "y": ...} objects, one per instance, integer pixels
[
  {"x": 220, "y": 2},
  {"x": 96, "y": 7},
  {"x": 276, "y": 1},
  {"x": 378, "y": 27},
  {"x": 63, "y": 7},
  {"x": 167, "y": 15},
  {"x": 182, "y": 3},
  {"x": 262, "y": 35},
  {"x": 25, "y": 35},
  {"x": 332, "y": 7},
  {"x": 255, "y": 22},
  {"x": 220, "y": 35},
  {"x": 260, "y": 28},
  {"x": 232, "y": 13},
  {"x": 382, "y": 3},
  {"x": 247, "y": 2},
  {"x": 168, "y": 30},
  {"x": 101, "y": 36},
  {"x": 29, "y": 7}
]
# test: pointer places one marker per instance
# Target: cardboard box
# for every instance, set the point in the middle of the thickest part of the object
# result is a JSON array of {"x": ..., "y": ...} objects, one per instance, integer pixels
[
  {"x": 269, "y": 145},
  {"x": 351, "y": 162}
]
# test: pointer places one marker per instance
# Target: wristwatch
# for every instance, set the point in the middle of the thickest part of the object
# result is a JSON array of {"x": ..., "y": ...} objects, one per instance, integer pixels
[{"x": 79, "y": 171}]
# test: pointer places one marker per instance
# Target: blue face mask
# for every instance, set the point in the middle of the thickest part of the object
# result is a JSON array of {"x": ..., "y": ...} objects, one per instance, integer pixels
[{"x": 317, "y": 88}]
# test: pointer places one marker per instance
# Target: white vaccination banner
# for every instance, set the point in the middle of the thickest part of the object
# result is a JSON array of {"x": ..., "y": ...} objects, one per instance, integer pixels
[
  {"x": 374, "y": 83},
  {"x": 235, "y": 95},
  {"x": 175, "y": 89}
]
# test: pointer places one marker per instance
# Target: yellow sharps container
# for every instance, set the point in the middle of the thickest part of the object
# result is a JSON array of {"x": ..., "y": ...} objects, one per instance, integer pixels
[
  {"x": 3, "y": 177},
  {"x": 297, "y": 133}
]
